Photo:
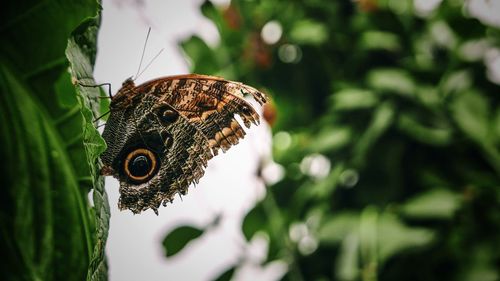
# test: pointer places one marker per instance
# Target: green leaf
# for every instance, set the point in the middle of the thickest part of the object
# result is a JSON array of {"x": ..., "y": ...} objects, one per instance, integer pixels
[
  {"x": 309, "y": 32},
  {"x": 394, "y": 237},
  {"x": 392, "y": 80},
  {"x": 47, "y": 226},
  {"x": 348, "y": 259},
  {"x": 330, "y": 139},
  {"x": 198, "y": 51},
  {"x": 81, "y": 52},
  {"x": 434, "y": 204},
  {"x": 351, "y": 99},
  {"x": 49, "y": 24},
  {"x": 44, "y": 215},
  {"x": 211, "y": 12},
  {"x": 255, "y": 220},
  {"x": 381, "y": 120},
  {"x": 325, "y": 187},
  {"x": 62, "y": 88},
  {"x": 496, "y": 126},
  {"x": 373, "y": 40},
  {"x": 334, "y": 229},
  {"x": 226, "y": 275},
  {"x": 433, "y": 136},
  {"x": 456, "y": 82},
  {"x": 471, "y": 113},
  {"x": 482, "y": 265},
  {"x": 179, "y": 238},
  {"x": 429, "y": 96}
]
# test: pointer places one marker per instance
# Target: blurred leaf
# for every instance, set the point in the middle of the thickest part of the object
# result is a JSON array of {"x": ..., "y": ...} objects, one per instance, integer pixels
[
  {"x": 496, "y": 126},
  {"x": 31, "y": 224},
  {"x": 393, "y": 128},
  {"x": 379, "y": 40},
  {"x": 429, "y": 96},
  {"x": 325, "y": 187},
  {"x": 473, "y": 50},
  {"x": 347, "y": 262},
  {"x": 456, "y": 82},
  {"x": 226, "y": 275},
  {"x": 178, "y": 239},
  {"x": 368, "y": 240},
  {"x": 254, "y": 221},
  {"x": 330, "y": 139},
  {"x": 482, "y": 265},
  {"x": 308, "y": 32},
  {"x": 442, "y": 34},
  {"x": 382, "y": 119},
  {"x": 394, "y": 237},
  {"x": 198, "y": 51},
  {"x": 351, "y": 99},
  {"x": 334, "y": 229},
  {"x": 392, "y": 80},
  {"x": 210, "y": 11},
  {"x": 433, "y": 204},
  {"x": 432, "y": 136},
  {"x": 471, "y": 112},
  {"x": 401, "y": 7}
]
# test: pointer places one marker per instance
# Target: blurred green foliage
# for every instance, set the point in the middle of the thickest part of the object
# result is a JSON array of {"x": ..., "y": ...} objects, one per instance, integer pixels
[
  {"x": 176, "y": 240},
  {"x": 49, "y": 146},
  {"x": 387, "y": 130}
]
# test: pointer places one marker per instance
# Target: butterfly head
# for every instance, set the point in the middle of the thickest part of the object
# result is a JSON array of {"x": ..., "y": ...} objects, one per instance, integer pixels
[
  {"x": 126, "y": 95},
  {"x": 129, "y": 82}
]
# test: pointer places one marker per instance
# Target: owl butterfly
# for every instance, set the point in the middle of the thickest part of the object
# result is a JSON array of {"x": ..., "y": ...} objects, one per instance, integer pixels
[{"x": 161, "y": 134}]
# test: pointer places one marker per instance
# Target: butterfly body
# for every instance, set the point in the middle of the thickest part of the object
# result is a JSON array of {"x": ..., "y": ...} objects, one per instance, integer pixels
[{"x": 160, "y": 134}]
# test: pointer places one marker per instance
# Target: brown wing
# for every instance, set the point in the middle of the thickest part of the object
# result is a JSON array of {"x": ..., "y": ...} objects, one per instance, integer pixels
[{"x": 210, "y": 103}]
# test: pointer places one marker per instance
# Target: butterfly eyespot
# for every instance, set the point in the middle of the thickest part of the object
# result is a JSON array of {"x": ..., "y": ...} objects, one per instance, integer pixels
[
  {"x": 140, "y": 165},
  {"x": 167, "y": 140},
  {"x": 168, "y": 115}
]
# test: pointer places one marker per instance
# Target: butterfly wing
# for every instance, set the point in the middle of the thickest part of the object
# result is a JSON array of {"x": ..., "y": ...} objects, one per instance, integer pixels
[
  {"x": 210, "y": 103},
  {"x": 182, "y": 121}
]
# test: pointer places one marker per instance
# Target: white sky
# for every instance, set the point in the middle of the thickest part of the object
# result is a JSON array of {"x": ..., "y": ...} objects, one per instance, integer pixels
[{"x": 229, "y": 187}]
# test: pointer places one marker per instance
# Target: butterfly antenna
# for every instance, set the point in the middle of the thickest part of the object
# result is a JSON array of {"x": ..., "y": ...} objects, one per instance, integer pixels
[
  {"x": 152, "y": 60},
  {"x": 143, "y": 52}
]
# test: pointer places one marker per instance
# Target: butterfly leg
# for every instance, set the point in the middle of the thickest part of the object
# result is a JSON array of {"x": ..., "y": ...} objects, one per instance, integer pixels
[{"x": 98, "y": 85}]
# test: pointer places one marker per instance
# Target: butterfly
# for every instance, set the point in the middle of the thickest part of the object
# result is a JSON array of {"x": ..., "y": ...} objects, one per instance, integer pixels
[{"x": 160, "y": 134}]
